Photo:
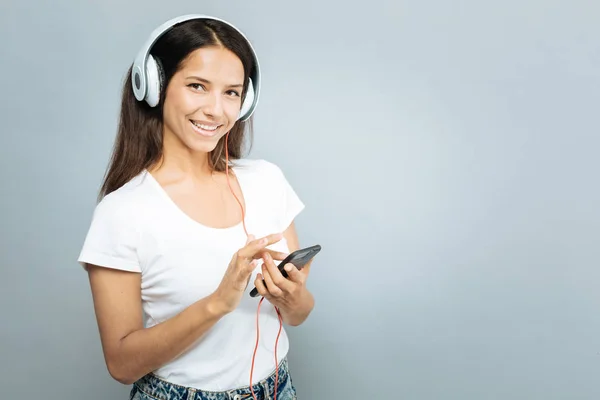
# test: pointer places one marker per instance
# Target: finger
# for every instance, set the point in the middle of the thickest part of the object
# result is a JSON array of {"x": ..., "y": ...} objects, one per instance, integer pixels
[
  {"x": 260, "y": 286},
  {"x": 257, "y": 245},
  {"x": 252, "y": 266},
  {"x": 276, "y": 277},
  {"x": 275, "y": 255},
  {"x": 238, "y": 257},
  {"x": 272, "y": 288},
  {"x": 244, "y": 271},
  {"x": 294, "y": 274}
]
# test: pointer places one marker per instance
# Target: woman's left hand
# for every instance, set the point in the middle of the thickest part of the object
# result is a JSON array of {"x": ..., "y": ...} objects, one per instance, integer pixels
[{"x": 290, "y": 294}]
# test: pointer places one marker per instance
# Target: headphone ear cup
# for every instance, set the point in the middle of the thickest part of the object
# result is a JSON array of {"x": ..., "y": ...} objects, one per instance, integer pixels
[
  {"x": 154, "y": 75},
  {"x": 249, "y": 100}
]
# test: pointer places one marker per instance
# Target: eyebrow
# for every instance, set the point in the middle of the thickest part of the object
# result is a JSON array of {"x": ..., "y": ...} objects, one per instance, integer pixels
[{"x": 237, "y": 85}]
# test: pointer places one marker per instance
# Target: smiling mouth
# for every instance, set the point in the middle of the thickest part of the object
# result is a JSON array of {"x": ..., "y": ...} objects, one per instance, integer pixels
[{"x": 205, "y": 129}]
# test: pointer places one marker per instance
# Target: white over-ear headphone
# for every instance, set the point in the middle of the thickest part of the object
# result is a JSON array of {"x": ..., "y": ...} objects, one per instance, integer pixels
[{"x": 146, "y": 79}]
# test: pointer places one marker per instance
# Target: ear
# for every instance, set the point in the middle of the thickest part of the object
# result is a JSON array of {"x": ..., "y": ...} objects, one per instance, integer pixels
[{"x": 155, "y": 75}]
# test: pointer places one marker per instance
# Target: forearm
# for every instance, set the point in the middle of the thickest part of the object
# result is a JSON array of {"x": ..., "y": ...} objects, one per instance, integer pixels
[
  {"x": 145, "y": 350},
  {"x": 297, "y": 314}
]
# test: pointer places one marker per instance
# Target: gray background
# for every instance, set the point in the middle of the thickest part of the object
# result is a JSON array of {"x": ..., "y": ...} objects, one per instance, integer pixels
[{"x": 447, "y": 153}]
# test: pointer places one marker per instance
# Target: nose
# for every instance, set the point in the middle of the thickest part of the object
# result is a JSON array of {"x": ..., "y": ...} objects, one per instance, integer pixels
[{"x": 213, "y": 105}]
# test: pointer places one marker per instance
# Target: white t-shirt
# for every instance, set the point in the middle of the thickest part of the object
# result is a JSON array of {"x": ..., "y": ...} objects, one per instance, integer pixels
[{"x": 139, "y": 228}]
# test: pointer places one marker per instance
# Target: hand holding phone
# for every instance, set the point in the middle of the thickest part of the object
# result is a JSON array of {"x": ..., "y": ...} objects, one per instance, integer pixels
[{"x": 298, "y": 258}]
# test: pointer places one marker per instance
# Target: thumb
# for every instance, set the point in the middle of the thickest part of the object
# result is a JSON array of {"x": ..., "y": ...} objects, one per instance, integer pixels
[{"x": 250, "y": 238}]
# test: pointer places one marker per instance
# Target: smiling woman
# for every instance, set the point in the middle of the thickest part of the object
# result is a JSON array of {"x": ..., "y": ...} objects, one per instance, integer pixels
[
  {"x": 184, "y": 224},
  {"x": 199, "y": 63}
]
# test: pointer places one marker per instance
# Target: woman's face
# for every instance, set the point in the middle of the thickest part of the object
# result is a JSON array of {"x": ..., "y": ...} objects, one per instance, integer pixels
[{"x": 203, "y": 99}]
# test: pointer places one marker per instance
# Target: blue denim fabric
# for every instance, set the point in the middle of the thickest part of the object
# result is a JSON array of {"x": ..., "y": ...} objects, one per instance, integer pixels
[{"x": 150, "y": 387}]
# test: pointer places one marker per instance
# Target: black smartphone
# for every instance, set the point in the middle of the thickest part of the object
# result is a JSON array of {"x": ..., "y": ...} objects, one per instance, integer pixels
[{"x": 299, "y": 258}]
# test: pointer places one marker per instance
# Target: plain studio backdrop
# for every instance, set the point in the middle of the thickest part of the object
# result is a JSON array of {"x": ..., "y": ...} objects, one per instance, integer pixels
[{"x": 447, "y": 153}]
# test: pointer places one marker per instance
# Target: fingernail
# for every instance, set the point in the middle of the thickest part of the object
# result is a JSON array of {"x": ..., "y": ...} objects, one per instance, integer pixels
[{"x": 288, "y": 267}]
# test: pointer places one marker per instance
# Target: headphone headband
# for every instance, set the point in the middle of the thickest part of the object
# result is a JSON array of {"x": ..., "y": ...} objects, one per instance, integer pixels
[{"x": 139, "y": 71}]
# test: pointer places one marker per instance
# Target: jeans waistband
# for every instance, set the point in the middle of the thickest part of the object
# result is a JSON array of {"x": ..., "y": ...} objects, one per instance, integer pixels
[{"x": 164, "y": 390}]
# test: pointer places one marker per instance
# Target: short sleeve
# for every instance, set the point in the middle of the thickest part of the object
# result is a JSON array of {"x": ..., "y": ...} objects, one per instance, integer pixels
[
  {"x": 290, "y": 204},
  {"x": 112, "y": 238}
]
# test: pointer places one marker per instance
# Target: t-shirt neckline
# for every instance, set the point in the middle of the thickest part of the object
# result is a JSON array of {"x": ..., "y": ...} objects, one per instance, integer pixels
[{"x": 162, "y": 192}]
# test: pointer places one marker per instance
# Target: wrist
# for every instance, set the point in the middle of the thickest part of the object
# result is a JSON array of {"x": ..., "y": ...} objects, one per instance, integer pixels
[
  {"x": 215, "y": 306},
  {"x": 301, "y": 309},
  {"x": 307, "y": 302}
]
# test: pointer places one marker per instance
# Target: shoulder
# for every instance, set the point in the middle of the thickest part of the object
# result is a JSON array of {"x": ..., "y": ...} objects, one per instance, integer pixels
[
  {"x": 276, "y": 192},
  {"x": 259, "y": 167},
  {"x": 120, "y": 212},
  {"x": 122, "y": 203},
  {"x": 113, "y": 236}
]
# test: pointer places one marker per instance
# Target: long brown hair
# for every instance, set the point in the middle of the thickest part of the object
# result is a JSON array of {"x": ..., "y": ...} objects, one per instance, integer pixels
[{"x": 139, "y": 140}]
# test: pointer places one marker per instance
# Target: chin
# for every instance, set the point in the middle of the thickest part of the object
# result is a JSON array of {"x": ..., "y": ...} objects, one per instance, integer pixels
[{"x": 201, "y": 147}]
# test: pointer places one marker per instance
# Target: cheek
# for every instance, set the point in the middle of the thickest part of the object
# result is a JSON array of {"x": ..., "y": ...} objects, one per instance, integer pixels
[
  {"x": 169, "y": 115},
  {"x": 232, "y": 111},
  {"x": 188, "y": 104},
  {"x": 175, "y": 105}
]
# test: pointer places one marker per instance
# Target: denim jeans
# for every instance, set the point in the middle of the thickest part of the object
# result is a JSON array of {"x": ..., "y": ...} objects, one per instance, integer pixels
[{"x": 150, "y": 387}]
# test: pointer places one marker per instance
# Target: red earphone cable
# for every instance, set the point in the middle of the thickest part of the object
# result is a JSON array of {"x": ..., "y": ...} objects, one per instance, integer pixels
[{"x": 261, "y": 300}]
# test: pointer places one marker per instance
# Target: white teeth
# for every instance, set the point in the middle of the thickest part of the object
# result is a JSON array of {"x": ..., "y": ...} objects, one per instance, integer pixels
[{"x": 205, "y": 127}]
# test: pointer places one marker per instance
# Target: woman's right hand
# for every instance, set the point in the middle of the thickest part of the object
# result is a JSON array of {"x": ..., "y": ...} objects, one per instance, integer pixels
[{"x": 238, "y": 273}]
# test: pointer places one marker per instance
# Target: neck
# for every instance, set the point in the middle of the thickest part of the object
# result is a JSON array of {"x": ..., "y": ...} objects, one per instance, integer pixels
[{"x": 179, "y": 161}]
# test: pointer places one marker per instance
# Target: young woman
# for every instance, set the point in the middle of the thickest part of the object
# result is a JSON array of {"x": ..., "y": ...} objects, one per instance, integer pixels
[{"x": 186, "y": 228}]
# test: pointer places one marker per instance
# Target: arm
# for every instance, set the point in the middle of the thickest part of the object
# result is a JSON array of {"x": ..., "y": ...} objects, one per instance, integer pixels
[{"x": 130, "y": 350}]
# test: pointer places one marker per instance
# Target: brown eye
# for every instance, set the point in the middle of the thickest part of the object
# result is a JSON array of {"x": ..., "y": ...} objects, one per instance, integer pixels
[{"x": 197, "y": 86}]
